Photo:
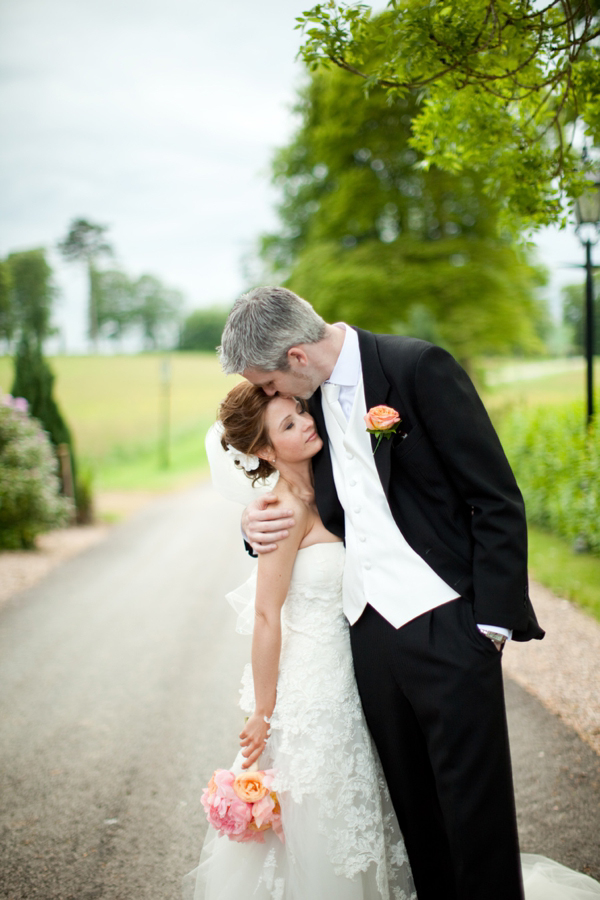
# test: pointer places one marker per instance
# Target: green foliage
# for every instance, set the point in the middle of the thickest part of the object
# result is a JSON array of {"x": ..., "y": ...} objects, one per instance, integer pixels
[
  {"x": 29, "y": 499},
  {"x": 202, "y": 329},
  {"x": 574, "y": 314},
  {"x": 472, "y": 305},
  {"x": 155, "y": 306},
  {"x": 557, "y": 464},
  {"x": 34, "y": 381},
  {"x": 368, "y": 235},
  {"x": 114, "y": 300},
  {"x": 575, "y": 576},
  {"x": 7, "y": 312},
  {"x": 84, "y": 495},
  {"x": 32, "y": 292},
  {"x": 122, "y": 302},
  {"x": 500, "y": 86},
  {"x": 85, "y": 242}
]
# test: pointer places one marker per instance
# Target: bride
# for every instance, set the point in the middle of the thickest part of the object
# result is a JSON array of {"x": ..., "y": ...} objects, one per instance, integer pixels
[{"x": 342, "y": 840}]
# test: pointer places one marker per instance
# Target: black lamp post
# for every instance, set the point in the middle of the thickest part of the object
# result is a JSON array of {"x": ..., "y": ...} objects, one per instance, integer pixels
[{"x": 587, "y": 212}]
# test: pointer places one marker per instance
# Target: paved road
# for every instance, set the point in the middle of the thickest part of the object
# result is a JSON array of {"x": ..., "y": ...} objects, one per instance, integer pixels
[{"x": 118, "y": 687}]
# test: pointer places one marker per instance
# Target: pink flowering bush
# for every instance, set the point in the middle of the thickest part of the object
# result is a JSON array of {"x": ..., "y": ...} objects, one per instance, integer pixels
[
  {"x": 30, "y": 502},
  {"x": 242, "y": 807}
]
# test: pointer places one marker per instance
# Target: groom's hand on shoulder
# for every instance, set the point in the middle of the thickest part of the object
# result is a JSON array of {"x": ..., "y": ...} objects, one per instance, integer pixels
[{"x": 264, "y": 523}]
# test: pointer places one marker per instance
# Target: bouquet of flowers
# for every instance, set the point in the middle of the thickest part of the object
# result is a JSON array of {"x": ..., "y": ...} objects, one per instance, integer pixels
[{"x": 242, "y": 807}]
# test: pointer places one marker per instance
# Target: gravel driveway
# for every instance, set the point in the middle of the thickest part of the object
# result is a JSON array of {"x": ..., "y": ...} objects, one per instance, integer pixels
[{"x": 119, "y": 678}]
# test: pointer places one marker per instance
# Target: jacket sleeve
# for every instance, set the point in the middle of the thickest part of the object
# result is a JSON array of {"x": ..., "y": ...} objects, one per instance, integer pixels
[{"x": 459, "y": 428}]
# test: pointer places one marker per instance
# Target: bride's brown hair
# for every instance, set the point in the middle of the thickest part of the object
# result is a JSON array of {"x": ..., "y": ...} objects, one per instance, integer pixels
[{"x": 242, "y": 414}]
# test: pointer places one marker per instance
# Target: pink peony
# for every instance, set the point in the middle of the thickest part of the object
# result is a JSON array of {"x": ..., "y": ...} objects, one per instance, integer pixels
[
  {"x": 224, "y": 780},
  {"x": 262, "y": 810},
  {"x": 228, "y": 816}
]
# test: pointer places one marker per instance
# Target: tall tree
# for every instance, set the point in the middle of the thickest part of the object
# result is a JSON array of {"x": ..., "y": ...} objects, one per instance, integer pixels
[
  {"x": 498, "y": 82},
  {"x": 371, "y": 236},
  {"x": 574, "y": 314},
  {"x": 7, "y": 311},
  {"x": 156, "y": 306},
  {"x": 33, "y": 293},
  {"x": 85, "y": 242},
  {"x": 115, "y": 301}
]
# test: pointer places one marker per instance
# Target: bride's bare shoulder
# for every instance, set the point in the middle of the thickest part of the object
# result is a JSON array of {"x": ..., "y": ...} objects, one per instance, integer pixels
[{"x": 288, "y": 500}]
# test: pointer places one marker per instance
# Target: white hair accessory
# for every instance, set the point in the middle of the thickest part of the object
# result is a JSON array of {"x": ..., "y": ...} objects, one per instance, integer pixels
[
  {"x": 247, "y": 462},
  {"x": 228, "y": 479}
]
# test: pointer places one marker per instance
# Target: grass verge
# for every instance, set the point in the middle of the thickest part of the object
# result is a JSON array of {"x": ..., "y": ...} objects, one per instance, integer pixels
[
  {"x": 142, "y": 469},
  {"x": 575, "y": 576}
]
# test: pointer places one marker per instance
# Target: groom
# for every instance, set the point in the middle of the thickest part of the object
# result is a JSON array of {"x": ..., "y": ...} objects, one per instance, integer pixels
[{"x": 435, "y": 578}]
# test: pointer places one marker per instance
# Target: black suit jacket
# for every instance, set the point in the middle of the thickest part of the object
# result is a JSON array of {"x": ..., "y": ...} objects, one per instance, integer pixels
[{"x": 450, "y": 488}]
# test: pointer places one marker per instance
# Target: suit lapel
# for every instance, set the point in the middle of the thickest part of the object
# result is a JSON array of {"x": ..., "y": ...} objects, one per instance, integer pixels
[
  {"x": 377, "y": 390},
  {"x": 325, "y": 492}
]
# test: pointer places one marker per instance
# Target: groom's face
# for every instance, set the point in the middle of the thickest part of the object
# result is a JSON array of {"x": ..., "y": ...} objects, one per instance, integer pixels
[{"x": 297, "y": 381}]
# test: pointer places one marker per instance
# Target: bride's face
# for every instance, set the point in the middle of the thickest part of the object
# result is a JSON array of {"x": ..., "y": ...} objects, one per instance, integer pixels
[{"x": 292, "y": 432}]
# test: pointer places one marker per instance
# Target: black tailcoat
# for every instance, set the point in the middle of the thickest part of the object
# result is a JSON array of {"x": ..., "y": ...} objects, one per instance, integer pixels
[{"x": 450, "y": 488}]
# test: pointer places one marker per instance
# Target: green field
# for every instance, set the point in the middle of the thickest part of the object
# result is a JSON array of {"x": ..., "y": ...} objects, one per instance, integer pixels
[
  {"x": 508, "y": 383},
  {"x": 113, "y": 405}
]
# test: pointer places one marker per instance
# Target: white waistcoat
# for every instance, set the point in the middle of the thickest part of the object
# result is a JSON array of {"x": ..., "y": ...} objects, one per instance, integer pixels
[{"x": 381, "y": 568}]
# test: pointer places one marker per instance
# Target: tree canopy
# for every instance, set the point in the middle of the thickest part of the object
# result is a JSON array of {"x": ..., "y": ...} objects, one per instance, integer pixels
[
  {"x": 85, "y": 242},
  {"x": 156, "y": 306},
  {"x": 31, "y": 294},
  {"x": 7, "y": 313},
  {"x": 573, "y": 296},
  {"x": 202, "y": 329},
  {"x": 502, "y": 87},
  {"x": 371, "y": 237},
  {"x": 123, "y": 302}
]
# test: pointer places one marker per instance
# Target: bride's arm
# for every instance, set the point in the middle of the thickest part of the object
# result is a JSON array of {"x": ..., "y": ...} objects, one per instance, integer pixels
[{"x": 274, "y": 575}]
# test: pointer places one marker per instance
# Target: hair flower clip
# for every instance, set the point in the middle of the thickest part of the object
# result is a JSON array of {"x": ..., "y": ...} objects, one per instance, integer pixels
[{"x": 247, "y": 462}]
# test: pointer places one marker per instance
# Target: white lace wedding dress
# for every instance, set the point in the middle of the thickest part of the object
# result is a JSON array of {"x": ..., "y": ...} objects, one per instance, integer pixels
[{"x": 342, "y": 840}]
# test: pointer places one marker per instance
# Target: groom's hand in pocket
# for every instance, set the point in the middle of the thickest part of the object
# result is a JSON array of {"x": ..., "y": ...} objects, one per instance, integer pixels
[{"x": 264, "y": 523}]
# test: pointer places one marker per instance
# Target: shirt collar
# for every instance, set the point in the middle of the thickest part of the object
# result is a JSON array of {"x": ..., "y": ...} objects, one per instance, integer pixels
[{"x": 346, "y": 371}]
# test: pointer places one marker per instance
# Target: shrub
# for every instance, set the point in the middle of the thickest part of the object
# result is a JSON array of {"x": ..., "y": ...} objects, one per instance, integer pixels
[
  {"x": 30, "y": 502},
  {"x": 557, "y": 464},
  {"x": 202, "y": 329}
]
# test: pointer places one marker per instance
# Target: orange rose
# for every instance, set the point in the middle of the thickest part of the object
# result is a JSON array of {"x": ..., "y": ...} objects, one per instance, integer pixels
[
  {"x": 381, "y": 418},
  {"x": 264, "y": 827},
  {"x": 212, "y": 785},
  {"x": 249, "y": 787}
]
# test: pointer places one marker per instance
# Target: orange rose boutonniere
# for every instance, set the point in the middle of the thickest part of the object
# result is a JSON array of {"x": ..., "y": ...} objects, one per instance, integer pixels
[{"x": 382, "y": 421}]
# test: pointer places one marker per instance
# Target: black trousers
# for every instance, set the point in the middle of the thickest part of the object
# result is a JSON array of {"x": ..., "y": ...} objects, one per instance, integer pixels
[{"x": 434, "y": 702}]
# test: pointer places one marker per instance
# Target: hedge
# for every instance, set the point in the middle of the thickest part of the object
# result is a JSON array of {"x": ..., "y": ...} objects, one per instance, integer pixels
[
  {"x": 557, "y": 464},
  {"x": 30, "y": 502}
]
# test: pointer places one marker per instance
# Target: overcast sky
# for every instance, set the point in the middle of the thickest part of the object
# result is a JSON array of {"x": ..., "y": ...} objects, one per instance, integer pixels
[{"x": 158, "y": 119}]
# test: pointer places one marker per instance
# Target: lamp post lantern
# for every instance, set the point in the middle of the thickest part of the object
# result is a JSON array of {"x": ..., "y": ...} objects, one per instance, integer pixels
[{"x": 587, "y": 212}]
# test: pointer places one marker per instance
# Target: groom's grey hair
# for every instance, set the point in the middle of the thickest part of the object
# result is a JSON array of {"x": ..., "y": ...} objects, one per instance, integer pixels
[{"x": 263, "y": 325}]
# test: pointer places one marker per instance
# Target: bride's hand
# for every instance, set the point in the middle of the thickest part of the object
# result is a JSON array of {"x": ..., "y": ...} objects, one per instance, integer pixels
[
  {"x": 253, "y": 739},
  {"x": 263, "y": 525}
]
